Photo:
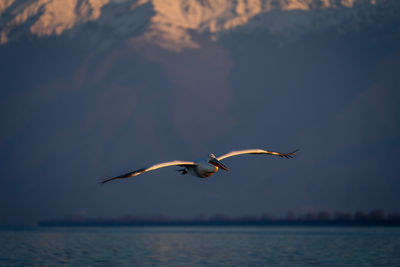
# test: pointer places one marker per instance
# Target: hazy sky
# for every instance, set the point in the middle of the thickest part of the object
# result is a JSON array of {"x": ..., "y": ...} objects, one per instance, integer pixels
[{"x": 74, "y": 111}]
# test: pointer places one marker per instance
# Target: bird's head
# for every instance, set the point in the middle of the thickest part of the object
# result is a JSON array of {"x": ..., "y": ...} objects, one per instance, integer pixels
[{"x": 214, "y": 161}]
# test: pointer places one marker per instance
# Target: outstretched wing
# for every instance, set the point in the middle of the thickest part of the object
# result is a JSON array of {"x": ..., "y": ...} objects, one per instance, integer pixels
[
  {"x": 257, "y": 151},
  {"x": 150, "y": 168}
]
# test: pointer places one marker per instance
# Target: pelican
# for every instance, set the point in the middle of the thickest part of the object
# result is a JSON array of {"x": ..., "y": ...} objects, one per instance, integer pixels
[{"x": 202, "y": 168}]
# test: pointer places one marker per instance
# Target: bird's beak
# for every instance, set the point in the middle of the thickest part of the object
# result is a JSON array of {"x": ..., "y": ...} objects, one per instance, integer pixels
[{"x": 219, "y": 164}]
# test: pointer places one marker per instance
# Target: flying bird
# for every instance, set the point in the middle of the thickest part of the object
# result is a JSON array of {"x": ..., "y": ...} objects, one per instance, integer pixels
[{"x": 202, "y": 168}]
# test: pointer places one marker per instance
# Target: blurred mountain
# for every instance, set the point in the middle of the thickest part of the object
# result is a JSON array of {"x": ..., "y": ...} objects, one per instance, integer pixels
[{"x": 171, "y": 24}]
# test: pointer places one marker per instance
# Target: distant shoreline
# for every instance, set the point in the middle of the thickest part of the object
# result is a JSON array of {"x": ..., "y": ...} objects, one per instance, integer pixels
[
  {"x": 144, "y": 223},
  {"x": 219, "y": 225},
  {"x": 375, "y": 217}
]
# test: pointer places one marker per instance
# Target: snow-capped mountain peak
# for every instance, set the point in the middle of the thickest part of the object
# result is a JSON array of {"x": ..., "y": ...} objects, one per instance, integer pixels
[{"x": 169, "y": 23}]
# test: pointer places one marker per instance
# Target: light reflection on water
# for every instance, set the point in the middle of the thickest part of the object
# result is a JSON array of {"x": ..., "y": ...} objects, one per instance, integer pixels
[{"x": 200, "y": 246}]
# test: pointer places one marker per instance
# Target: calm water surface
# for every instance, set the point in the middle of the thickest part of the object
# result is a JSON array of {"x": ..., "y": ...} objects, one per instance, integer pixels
[{"x": 200, "y": 246}]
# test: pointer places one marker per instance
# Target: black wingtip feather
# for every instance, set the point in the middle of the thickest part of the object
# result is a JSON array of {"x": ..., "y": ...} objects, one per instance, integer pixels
[
  {"x": 103, "y": 181},
  {"x": 291, "y": 154},
  {"x": 126, "y": 175}
]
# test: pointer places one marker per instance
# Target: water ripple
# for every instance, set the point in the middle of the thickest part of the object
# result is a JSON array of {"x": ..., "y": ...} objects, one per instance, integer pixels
[{"x": 200, "y": 246}]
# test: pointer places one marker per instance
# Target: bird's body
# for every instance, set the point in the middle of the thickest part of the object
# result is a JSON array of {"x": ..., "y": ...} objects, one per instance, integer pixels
[{"x": 202, "y": 168}]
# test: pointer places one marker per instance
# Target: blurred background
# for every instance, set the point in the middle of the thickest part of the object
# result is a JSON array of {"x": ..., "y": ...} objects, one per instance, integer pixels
[{"x": 96, "y": 88}]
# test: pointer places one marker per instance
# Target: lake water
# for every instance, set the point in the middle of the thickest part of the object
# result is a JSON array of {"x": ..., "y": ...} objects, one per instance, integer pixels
[{"x": 200, "y": 246}]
